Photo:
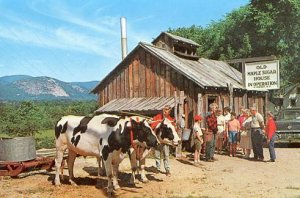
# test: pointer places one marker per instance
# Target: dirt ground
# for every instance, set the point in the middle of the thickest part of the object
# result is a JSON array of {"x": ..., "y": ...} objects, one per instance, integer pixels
[{"x": 227, "y": 177}]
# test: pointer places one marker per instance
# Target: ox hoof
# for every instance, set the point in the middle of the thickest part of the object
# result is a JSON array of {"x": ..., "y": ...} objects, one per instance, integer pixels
[
  {"x": 57, "y": 182},
  {"x": 109, "y": 194},
  {"x": 145, "y": 180},
  {"x": 73, "y": 183},
  {"x": 133, "y": 182}
]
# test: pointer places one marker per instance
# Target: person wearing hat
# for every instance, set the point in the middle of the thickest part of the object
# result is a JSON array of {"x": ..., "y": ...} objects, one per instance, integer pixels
[
  {"x": 198, "y": 138},
  {"x": 270, "y": 132}
]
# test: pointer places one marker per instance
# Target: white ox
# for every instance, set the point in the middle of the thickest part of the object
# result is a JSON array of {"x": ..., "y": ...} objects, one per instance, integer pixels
[
  {"x": 105, "y": 136},
  {"x": 166, "y": 134}
]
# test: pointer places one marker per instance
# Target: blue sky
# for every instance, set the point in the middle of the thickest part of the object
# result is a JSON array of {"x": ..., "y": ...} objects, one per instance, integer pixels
[{"x": 79, "y": 40}]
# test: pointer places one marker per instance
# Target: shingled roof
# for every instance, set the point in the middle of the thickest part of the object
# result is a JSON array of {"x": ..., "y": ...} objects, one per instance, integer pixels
[
  {"x": 150, "y": 104},
  {"x": 204, "y": 72},
  {"x": 178, "y": 38}
]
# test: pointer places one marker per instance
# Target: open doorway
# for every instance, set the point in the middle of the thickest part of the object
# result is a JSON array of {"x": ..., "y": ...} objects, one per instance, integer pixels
[{"x": 211, "y": 99}]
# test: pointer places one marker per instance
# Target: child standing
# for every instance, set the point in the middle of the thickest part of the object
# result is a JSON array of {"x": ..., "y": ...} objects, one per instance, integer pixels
[
  {"x": 198, "y": 135},
  {"x": 233, "y": 129}
]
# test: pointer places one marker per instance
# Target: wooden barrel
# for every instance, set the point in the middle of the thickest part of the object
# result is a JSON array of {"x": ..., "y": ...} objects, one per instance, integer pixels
[{"x": 17, "y": 149}]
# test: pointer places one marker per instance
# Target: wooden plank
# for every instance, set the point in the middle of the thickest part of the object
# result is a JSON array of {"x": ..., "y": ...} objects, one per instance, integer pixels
[
  {"x": 130, "y": 80},
  {"x": 204, "y": 109},
  {"x": 111, "y": 89},
  {"x": 126, "y": 83},
  {"x": 191, "y": 93},
  {"x": 153, "y": 77},
  {"x": 168, "y": 82},
  {"x": 181, "y": 106},
  {"x": 186, "y": 84},
  {"x": 148, "y": 75},
  {"x": 101, "y": 97},
  {"x": 110, "y": 95},
  {"x": 178, "y": 120},
  {"x": 173, "y": 80},
  {"x": 252, "y": 59},
  {"x": 180, "y": 83},
  {"x": 118, "y": 84},
  {"x": 236, "y": 105},
  {"x": 115, "y": 88},
  {"x": 106, "y": 95},
  {"x": 230, "y": 88},
  {"x": 199, "y": 104},
  {"x": 136, "y": 78},
  {"x": 122, "y": 84},
  {"x": 266, "y": 104},
  {"x": 175, "y": 107},
  {"x": 158, "y": 78},
  {"x": 162, "y": 78},
  {"x": 142, "y": 74},
  {"x": 245, "y": 101}
]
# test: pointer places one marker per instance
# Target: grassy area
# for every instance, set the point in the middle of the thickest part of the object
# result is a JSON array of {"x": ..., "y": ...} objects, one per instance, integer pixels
[{"x": 44, "y": 138}]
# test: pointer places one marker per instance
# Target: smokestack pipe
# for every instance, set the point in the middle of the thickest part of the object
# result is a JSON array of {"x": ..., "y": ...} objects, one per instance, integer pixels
[{"x": 123, "y": 37}]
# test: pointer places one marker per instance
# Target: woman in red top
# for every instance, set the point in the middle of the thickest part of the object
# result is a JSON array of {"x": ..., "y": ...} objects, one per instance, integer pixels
[{"x": 270, "y": 132}]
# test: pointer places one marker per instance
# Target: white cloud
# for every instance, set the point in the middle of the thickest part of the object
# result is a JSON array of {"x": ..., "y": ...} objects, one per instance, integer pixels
[
  {"x": 82, "y": 42},
  {"x": 99, "y": 35},
  {"x": 60, "y": 38},
  {"x": 103, "y": 24}
]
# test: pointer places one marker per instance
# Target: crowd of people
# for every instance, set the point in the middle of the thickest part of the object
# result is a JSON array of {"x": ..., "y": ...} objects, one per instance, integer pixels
[
  {"x": 228, "y": 133},
  {"x": 225, "y": 133}
]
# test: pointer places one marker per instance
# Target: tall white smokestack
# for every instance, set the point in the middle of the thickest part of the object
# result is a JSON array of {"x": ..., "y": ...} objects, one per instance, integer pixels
[{"x": 123, "y": 37}]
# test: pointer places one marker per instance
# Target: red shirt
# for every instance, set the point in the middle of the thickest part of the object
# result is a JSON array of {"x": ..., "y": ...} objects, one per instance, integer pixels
[
  {"x": 211, "y": 122},
  {"x": 242, "y": 118},
  {"x": 270, "y": 128},
  {"x": 159, "y": 117}
]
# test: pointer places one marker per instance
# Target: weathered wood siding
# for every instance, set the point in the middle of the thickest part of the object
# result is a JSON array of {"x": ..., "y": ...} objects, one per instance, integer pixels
[{"x": 143, "y": 75}]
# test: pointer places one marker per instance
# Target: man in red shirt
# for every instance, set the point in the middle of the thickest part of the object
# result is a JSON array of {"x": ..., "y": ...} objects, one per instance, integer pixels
[
  {"x": 270, "y": 132},
  {"x": 211, "y": 128}
]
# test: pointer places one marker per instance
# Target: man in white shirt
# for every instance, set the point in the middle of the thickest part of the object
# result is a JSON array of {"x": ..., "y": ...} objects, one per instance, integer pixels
[
  {"x": 221, "y": 130},
  {"x": 257, "y": 124}
]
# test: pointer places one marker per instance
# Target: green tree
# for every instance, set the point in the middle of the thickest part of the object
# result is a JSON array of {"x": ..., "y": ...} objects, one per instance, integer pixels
[{"x": 262, "y": 28}]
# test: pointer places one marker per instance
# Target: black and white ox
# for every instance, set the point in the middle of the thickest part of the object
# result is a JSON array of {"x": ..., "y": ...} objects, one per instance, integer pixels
[
  {"x": 166, "y": 134},
  {"x": 105, "y": 136}
]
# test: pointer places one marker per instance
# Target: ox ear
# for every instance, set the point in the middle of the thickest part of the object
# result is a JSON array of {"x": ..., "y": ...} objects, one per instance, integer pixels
[{"x": 110, "y": 121}]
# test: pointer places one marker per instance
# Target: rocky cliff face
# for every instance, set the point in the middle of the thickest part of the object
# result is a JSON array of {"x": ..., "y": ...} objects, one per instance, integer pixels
[{"x": 43, "y": 88}]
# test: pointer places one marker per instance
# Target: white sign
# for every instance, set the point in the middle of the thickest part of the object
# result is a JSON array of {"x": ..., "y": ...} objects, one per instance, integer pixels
[{"x": 262, "y": 75}]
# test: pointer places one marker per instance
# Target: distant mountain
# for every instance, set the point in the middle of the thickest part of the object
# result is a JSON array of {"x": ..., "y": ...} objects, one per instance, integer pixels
[
  {"x": 21, "y": 87},
  {"x": 11, "y": 79},
  {"x": 88, "y": 85}
]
